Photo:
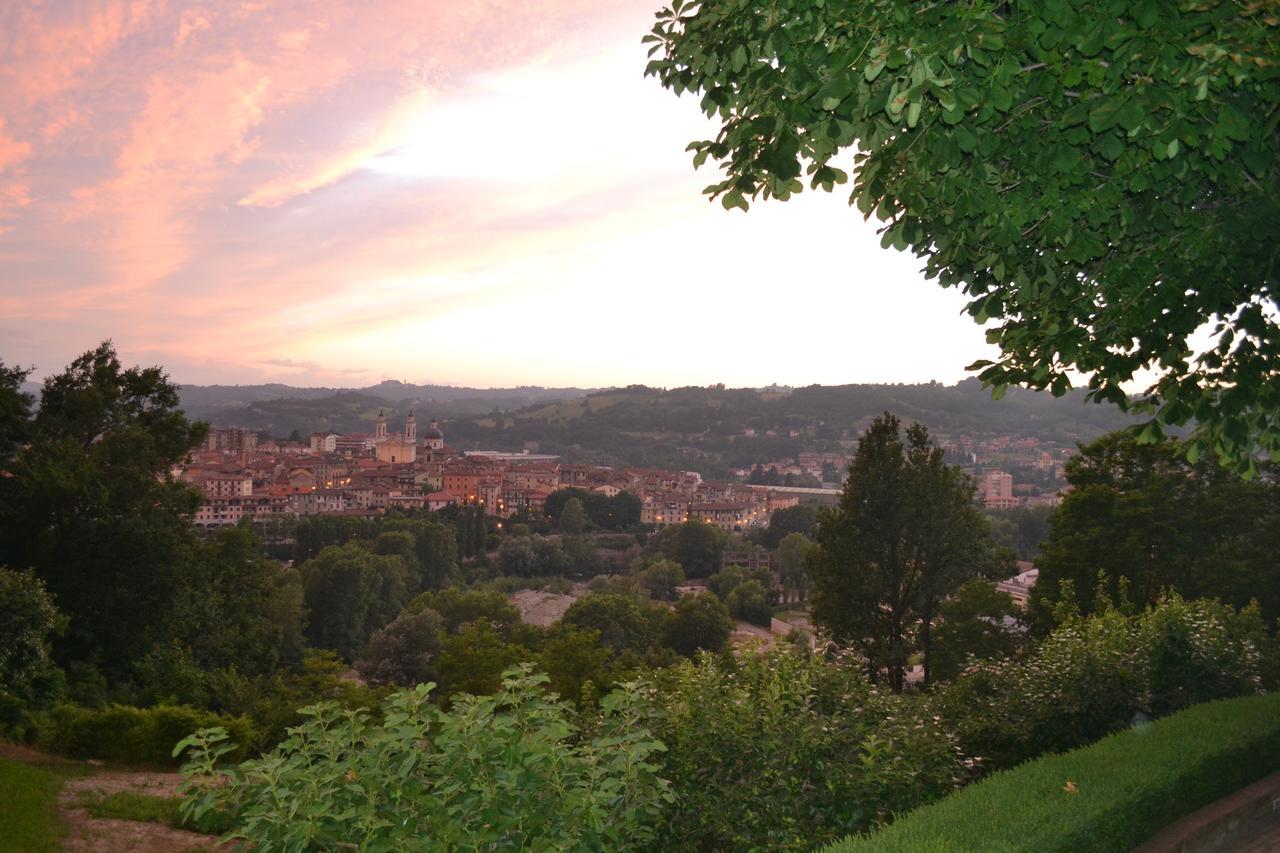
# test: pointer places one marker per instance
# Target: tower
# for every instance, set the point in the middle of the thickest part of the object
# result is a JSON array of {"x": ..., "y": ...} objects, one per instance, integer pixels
[
  {"x": 433, "y": 438},
  {"x": 380, "y": 431},
  {"x": 411, "y": 429}
]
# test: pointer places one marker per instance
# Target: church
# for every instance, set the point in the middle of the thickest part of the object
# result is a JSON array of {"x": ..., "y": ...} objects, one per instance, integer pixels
[
  {"x": 396, "y": 448},
  {"x": 389, "y": 448}
]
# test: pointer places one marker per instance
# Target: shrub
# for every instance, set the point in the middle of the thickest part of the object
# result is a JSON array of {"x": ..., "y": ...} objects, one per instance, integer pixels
[
  {"x": 1094, "y": 676},
  {"x": 28, "y": 620},
  {"x": 789, "y": 750},
  {"x": 128, "y": 735},
  {"x": 1112, "y": 795},
  {"x": 509, "y": 771},
  {"x": 404, "y": 651}
]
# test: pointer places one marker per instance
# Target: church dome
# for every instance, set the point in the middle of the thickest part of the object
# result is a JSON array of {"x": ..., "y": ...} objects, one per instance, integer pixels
[{"x": 433, "y": 432}]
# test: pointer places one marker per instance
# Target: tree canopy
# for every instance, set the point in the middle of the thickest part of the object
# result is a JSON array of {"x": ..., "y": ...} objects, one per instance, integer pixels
[
  {"x": 1099, "y": 176},
  {"x": 905, "y": 534},
  {"x": 1152, "y": 521}
]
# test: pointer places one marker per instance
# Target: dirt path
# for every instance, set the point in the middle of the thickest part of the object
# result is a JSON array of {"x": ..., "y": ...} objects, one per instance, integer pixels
[{"x": 88, "y": 834}]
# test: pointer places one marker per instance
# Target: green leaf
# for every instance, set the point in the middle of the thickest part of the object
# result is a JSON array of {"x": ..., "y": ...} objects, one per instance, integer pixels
[
  {"x": 913, "y": 113},
  {"x": 1105, "y": 115}
]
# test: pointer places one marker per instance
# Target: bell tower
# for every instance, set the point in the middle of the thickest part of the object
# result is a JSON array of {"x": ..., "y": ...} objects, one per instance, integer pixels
[
  {"x": 380, "y": 431},
  {"x": 411, "y": 429}
]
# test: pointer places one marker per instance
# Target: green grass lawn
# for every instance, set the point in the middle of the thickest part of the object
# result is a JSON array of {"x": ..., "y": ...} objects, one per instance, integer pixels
[
  {"x": 147, "y": 808},
  {"x": 29, "y": 807},
  {"x": 1112, "y": 795}
]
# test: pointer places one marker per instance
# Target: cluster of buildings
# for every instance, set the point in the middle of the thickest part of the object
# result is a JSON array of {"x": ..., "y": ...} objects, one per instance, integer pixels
[{"x": 366, "y": 474}]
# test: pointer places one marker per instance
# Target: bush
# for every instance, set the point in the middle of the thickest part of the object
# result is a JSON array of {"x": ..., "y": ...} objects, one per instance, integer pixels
[
  {"x": 1112, "y": 795},
  {"x": 28, "y": 621},
  {"x": 1094, "y": 676},
  {"x": 790, "y": 750},
  {"x": 128, "y": 735},
  {"x": 510, "y": 771}
]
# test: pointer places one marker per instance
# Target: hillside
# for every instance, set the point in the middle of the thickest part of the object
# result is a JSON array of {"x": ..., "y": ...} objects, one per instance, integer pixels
[
  {"x": 710, "y": 429},
  {"x": 281, "y": 409}
]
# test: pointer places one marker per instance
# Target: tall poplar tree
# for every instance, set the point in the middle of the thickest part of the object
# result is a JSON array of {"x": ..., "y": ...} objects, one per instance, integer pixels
[{"x": 905, "y": 534}]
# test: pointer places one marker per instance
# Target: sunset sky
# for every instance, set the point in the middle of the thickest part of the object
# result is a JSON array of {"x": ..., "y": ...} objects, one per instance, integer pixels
[{"x": 466, "y": 192}]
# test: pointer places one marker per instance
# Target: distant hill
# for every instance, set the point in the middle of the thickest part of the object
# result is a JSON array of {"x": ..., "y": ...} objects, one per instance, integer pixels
[
  {"x": 716, "y": 429},
  {"x": 281, "y": 409}
]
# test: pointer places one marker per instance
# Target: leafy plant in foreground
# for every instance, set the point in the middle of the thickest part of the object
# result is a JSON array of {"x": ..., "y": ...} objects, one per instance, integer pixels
[{"x": 503, "y": 772}]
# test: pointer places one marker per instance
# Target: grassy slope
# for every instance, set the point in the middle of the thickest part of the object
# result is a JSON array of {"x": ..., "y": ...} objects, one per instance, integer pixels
[
  {"x": 29, "y": 808},
  {"x": 1126, "y": 787}
]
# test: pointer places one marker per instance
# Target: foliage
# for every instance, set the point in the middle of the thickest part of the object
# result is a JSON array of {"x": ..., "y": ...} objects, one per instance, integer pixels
[
  {"x": 1056, "y": 162},
  {"x": 625, "y": 623},
  {"x": 237, "y": 607},
  {"x": 573, "y": 518},
  {"x": 459, "y": 607},
  {"x": 620, "y": 512},
  {"x": 28, "y": 620},
  {"x": 1112, "y": 795},
  {"x": 350, "y": 593},
  {"x": 436, "y": 549},
  {"x": 1096, "y": 675},
  {"x": 699, "y": 622},
  {"x": 129, "y": 735},
  {"x": 538, "y": 556},
  {"x": 1153, "y": 521},
  {"x": 658, "y": 577},
  {"x": 749, "y": 601},
  {"x": 312, "y": 534},
  {"x": 474, "y": 659},
  {"x": 127, "y": 805},
  {"x": 404, "y": 651},
  {"x": 578, "y": 667},
  {"x": 695, "y": 545},
  {"x": 509, "y": 771},
  {"x": 972, "y": 627},
  {"x": 794, "y": 553},
  {"x": 29, "y": 820},
  {"x": 272, "y": 702},
  {"x": 88, "y": 503},
  {"x": 790, "y": 750},
  {"x": 801, "y": 519},
  {"x": 905, "y": 534},
  {"x": 1022, "y": 530}
]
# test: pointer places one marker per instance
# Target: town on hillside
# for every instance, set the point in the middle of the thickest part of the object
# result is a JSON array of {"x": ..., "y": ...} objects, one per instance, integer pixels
[{"x": 243, "y": 476}]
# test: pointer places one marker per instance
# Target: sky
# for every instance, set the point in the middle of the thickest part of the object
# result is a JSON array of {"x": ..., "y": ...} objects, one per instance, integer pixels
[{"x": 474, "y": 192}]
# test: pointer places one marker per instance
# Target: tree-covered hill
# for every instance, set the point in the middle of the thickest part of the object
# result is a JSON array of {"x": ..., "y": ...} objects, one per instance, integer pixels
[{"x": 710, "y": 429}]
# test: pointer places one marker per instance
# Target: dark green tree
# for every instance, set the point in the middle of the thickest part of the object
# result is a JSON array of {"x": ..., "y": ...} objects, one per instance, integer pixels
[
  {"x": 695, "y": 545},
  {"x": 972, "y": 623},
  {"x": 700, "y": 622},
  {"x": 404, "y": 651},
  {"x": 905, "y": 534},
  {"x": 1149, "y": 519},
  {"x": 89, "y": 503},
  {"x": 472, "y": 660},
  {"x": 659, "y": 578},
  {"x": 794, "y": 552},
  {"x": 350, "y": 593},
  {"x": 579, "y": 666},
  {"x": 625, "y": 623},
  {"x": 29, "y": 679},
  {"x": 237, "y": 608},
  {"x": 459, "y": 607},
  {"x": 749, "y": 601},
  {"x": 436, "y": 548},
  {"x": 573, "y": 518},
  {"x": 801, "y": 519},
  {"x": 1100, "y": 178},
  {"x": 15, "y": 413}
]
